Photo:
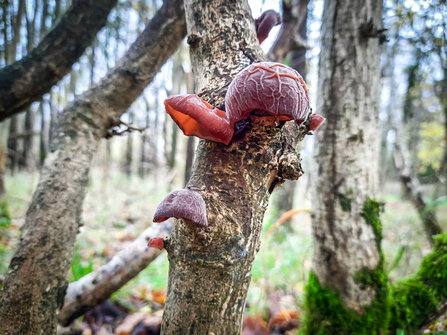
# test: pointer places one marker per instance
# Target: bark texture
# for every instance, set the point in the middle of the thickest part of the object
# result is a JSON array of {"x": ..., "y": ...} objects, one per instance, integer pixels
[
  {"x": 27, "y": 80},
  {"x": 210, "y": 268},
  {"x": 29, "y": 304},
  {"x": 347, "y": 257},
  {"x": 99, "y": 285}
]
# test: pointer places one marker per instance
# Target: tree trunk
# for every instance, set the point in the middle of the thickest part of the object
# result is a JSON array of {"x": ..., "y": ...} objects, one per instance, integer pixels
[
  {"x": 27, "y": 80},
  {"x": 347, "y": 288},
  {"x": 294, "y": 17},
  {"x": 210, "y": 268},
  {"x": 42, "y": 137},
  {"x": 4, "y": 131},
  {"x": 13, "y": 148},
  {"x": 412, "y": 191},
  {"x": 28, "y": 304},
  {"x": 189, "y": 158},
  {"x": 129, "y": 149},
  {"x": 27, "y": 152}
]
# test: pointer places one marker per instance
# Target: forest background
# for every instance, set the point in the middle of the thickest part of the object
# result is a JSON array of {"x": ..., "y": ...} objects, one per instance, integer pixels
[{"x": 138, "y": 165}]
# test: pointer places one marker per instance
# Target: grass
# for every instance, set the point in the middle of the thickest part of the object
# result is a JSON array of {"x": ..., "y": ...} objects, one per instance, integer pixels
[{"x": 116, "y": 211}]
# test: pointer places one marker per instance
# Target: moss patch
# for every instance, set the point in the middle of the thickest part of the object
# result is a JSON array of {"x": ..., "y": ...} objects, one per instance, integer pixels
[
  {"x": 5, "y": 214},
  {"x": 371, "y": 213},
  {"x": 345, "y": 202},
  {"x": 326, "y": 313},
  {"x": 411, "y": 303},
  {"x": 415, "y": 298}
]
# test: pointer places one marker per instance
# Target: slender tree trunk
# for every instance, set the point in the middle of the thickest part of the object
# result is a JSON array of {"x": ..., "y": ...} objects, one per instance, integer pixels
[
  {"x": 347, "y": 289},
  {"x": 402, "y": 157},
  {"x": 29, "y": 303},
  {"x": 412, "y": 191},
  {"x": 42, "y": 135},
  {"x": 189, "y": 158},
  {"x": 13, "y": 147},
  {"x": 286, "y": 193},
  {"x": 190, "y": 145},
  {"x": 4, "y": 131},
  {"x": 144, "y": 138},
  {"x": 210, "y": 268},
  {"x": 27, "y": 152},
  {"x": 129, "y": 150}
]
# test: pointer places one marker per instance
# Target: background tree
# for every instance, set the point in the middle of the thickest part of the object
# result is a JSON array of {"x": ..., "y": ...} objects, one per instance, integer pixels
[
  {"x": 47, "y": 239},
  {"x": 347, "y": 288}
]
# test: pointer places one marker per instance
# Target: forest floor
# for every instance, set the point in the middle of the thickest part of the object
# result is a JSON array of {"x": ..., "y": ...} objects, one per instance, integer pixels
[{"x": 118, "y": 208}]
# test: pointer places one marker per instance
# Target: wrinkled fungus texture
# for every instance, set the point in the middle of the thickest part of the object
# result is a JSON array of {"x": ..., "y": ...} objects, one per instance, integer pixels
[
  {"x": 182, "y": 204},
  {"x": 271, "y": 87}
]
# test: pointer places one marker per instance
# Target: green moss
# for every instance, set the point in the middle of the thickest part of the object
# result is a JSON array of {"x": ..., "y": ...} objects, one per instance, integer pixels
[
  {"x": 325, "y": 312},
  {"x": 5, "y": 215},
  {"x": 345, "y": 202},
  {"x": 415, "y": 298},
  {"x": 433, "y": 269},
  {"x": 371, "y": 213},
  {"x": 411, "y": 303}
]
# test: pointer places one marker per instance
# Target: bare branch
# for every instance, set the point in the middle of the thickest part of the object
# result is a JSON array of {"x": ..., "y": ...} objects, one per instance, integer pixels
[{"x": 25, "y": 81}]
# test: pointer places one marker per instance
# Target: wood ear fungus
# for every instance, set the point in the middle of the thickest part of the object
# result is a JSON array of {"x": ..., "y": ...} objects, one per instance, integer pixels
[
  {"x": 182, "y": 204},
  {"x": 157, "y": 243},
  {"x": 266, "y": 22},
  {"x": 271, "y": 87},
  {"x": 316, "y": 121}
]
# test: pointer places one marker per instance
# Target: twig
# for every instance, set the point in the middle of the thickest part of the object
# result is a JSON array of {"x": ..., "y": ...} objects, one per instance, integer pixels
[{"x": 114, "y": 131}]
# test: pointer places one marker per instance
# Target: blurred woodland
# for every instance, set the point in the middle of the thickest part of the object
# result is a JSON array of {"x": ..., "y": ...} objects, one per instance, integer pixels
[{"x": 143, "y": 156}]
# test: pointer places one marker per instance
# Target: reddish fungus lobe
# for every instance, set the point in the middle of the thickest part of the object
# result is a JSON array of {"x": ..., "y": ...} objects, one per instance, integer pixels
[
  {"x": 156, "y": 242},
  {"x": 265, "y": 23},
  {"x": 182, "y": 204},
  {"x": 267, "y": 86},
  {"x": 316, "y": 121}
]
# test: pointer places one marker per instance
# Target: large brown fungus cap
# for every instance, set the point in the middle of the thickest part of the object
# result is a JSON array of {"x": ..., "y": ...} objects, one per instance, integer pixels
[{"x": 182, "y": 204}]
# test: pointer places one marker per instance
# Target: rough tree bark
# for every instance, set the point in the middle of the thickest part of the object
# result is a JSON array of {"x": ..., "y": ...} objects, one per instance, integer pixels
[
  {"x": 99, "y": 285},
  {"x": 29, "y": 304},
  {"x": 347, "y": 289},
  {"x": 27, "y": 80},
  {"x": 210, "y": 268}
]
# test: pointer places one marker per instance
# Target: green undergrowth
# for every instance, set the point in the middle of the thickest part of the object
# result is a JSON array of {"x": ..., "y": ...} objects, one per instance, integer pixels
[
  {"x": 325, "y": 312},
  {"x": 5, "y": 223},
  {"x": 416, "y": 297}
]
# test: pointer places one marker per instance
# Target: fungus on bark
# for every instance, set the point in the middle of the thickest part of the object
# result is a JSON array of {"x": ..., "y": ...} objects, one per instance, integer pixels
[
  {"x": 316, "y": 121},
  {"x": 268, "y": 86},
  {"x": 157, "y": 243},
  {"x": 265, "y": 23},
  {"x": 182, "y": 204}
]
